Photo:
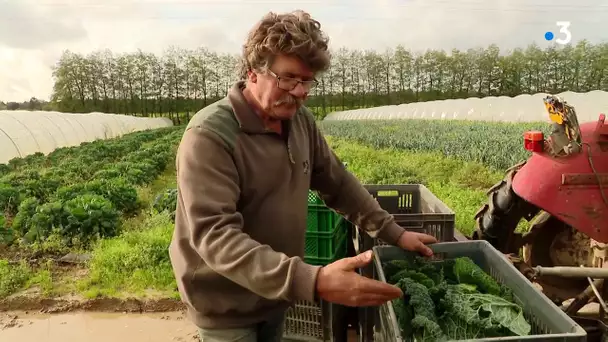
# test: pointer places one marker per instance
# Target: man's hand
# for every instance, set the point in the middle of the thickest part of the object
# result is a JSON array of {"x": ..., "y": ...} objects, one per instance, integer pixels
[
  {"x": 416, "y": 242},
  {"x": 339, "y": 283}
]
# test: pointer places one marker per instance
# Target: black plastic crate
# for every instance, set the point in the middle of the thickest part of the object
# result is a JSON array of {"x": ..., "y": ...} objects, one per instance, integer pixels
[
  {"x": 415, "y": 208},
  {"x": 549, "y": 322}
]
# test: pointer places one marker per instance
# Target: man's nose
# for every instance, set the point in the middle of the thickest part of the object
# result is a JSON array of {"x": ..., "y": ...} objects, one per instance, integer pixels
[{"x": 299, "y": 91}]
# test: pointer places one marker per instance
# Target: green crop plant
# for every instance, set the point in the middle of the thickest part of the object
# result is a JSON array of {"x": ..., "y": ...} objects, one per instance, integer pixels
[{"x": 497, "y": 145}]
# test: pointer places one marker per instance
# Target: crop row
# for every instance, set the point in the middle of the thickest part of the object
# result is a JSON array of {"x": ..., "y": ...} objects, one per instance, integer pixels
[
  {"x": 81, "y": 193},
  {"x": 497, "y": 145}
]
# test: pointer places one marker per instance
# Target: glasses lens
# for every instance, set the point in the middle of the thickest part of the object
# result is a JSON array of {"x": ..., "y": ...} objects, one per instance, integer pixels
[{"x": 287, "y": 83}]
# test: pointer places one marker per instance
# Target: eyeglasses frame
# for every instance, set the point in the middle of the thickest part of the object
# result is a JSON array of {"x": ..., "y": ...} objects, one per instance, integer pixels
[{"x": 308, "y": 85}]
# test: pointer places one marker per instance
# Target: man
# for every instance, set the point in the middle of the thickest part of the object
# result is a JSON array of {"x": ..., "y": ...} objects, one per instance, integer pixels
[{"x": 244, "y": 168}]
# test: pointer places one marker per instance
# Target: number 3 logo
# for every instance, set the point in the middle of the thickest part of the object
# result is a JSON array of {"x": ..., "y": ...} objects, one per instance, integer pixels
[{"x": 564, "y": 25}]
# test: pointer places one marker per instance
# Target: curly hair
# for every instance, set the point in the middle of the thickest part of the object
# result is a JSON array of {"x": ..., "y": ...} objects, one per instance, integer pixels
[{"x": 293, "y": 34}]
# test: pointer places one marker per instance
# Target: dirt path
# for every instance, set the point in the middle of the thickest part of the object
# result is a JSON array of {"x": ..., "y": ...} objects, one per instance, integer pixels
[
  {"x": 32, "y": 319},
  {"x": 96, "y": 327}
]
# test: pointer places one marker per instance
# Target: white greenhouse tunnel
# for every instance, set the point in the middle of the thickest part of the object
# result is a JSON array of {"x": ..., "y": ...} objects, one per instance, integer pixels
[
  {"x": 521, "y": 108},
  {"x": 23, "y": 133}
]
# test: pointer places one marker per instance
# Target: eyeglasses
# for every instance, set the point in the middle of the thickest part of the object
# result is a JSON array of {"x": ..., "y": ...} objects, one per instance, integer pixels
[{"x": 290, "y": 83}]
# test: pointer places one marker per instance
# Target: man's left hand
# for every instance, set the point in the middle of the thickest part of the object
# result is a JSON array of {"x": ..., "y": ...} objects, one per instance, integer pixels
[{"x": 416, "y": 242}]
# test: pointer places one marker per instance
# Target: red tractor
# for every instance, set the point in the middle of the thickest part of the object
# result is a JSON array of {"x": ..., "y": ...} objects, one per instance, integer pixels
[{"x": 562, "y": 190}]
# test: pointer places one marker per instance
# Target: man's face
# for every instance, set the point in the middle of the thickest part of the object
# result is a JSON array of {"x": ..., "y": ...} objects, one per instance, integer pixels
[{"x": 275, "y": 91}]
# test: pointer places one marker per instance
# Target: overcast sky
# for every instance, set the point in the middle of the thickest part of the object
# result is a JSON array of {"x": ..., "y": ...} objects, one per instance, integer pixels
[{"x": 33, "y": 33}]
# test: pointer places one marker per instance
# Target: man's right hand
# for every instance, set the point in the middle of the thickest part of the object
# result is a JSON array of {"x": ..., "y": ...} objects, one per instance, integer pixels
[{"x": 340, "y": 283}]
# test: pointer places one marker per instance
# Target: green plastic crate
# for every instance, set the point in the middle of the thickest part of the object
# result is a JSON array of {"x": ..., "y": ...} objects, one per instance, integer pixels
[
  {"x": 334, "y": 247},
  {"x": 325, "y": 245},
  {"x": 314, "y": 199},
  {"x": 321, "y": 220},
  {"x": 548, "y": 322}
]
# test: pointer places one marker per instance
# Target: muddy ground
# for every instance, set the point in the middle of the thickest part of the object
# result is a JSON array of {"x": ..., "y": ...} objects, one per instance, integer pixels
[
  {"x": 96, "y": 327},
  {"x": 68, "y": 304},
  {"x": 26, "y": 318},
  {"x": 32, "y": 319}
]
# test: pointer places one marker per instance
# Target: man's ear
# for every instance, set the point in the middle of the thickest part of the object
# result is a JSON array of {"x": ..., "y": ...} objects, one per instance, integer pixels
[{"x": 252, "y": 76}]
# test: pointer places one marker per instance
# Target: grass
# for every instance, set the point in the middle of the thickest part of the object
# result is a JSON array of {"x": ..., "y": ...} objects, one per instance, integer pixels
[
  {"x": 13, "y": 277},
  {"x": 134, "y": 263}
]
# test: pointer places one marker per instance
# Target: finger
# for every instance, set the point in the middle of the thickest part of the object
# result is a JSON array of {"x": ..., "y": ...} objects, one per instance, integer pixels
[
  {"x": 370, "y": 299},
  {"x": 358, "y": 261},
  {"x": 367, "y": 285},
  {"x": 424, "y": 249},
  {"x": 426, "y": 238}
]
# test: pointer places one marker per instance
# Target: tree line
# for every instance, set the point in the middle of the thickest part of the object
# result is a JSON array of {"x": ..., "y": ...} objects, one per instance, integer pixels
[
  {"x": 32, "y": 104},
  {"x": 183, "y": 81}
]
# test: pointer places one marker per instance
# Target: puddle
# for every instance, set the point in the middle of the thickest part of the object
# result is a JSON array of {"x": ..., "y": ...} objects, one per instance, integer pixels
[{"x": 96, "y": 327}]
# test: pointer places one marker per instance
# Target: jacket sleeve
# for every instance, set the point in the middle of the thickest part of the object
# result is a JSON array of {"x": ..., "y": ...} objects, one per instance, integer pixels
[
  {"x": 343, "y": 192},
  {"x": 209, "y": 191}
]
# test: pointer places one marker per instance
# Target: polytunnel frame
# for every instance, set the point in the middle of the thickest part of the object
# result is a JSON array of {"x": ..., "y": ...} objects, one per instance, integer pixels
[
  {"x": 44, "y": 128},
  {"x": 12, "y": 141},
  {"x": 84, "y": 130},
  {"x": 88, "y": 133},
  {"x": 58, "y": 128},
  {"x": 119, "y": 124},
  {"x": 75, "y": 130},
  {"x": 26, "y": 128},
  {"x": 110, "y": 129},
  {"x": 40, "y": 126},
  {"x": 65, "y": 129}
]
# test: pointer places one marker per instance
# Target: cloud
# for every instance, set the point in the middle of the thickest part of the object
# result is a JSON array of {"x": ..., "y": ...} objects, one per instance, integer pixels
[
  {"x": 33, "y": 33},
  {"x": 23, "y": 26}
]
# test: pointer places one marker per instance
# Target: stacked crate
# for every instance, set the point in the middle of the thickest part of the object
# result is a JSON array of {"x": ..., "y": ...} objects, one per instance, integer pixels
[
  {"x": 415, "y": 208},
  {"x": 326, "y": 242}
]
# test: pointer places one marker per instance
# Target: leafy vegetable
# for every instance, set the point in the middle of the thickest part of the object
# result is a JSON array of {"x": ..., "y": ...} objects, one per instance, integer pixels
[
  {"x": 82, "y": 193},
  {"x": 453, "y": 299}
]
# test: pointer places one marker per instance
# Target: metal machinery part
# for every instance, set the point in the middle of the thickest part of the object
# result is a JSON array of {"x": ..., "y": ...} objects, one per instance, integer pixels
[
  {"x": 555, "y": 178},
  {"x": 553, "y": 243}
]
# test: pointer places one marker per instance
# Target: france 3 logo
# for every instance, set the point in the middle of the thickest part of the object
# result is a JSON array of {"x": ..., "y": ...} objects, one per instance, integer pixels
[{"x": 564, "y": 29}]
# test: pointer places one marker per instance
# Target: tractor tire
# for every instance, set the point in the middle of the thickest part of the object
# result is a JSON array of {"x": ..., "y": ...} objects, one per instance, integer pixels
[{"x": 497, "y": 220}]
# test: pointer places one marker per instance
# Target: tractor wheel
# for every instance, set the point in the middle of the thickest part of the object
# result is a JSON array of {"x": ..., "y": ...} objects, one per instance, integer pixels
[
  {"x": 554, "y": 243},
  {"x": 497, "y": 220}
]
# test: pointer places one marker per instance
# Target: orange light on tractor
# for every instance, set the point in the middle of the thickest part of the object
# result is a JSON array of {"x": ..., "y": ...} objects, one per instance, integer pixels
[{"x": 534, "y": 141}]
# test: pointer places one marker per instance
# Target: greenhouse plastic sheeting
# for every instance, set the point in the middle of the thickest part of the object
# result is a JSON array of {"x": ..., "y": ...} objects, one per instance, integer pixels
[
  {"x": 521, "y": 108},
  {"x": 26, "y": 132}
]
